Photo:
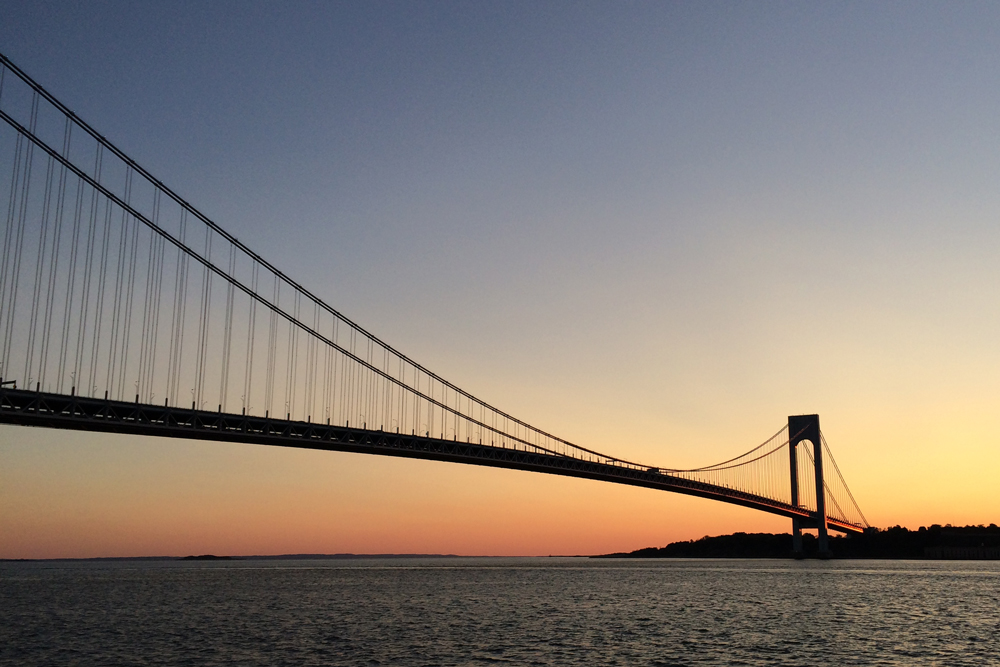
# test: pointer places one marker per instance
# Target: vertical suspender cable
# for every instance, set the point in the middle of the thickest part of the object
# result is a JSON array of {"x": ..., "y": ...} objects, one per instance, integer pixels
[
  {"x": 101, "y": 288},
  {"x": 71, "y": 282},
  {"x": 119, "y": 279},
  {"x": 147, "y": 310},
  {"x": 177, "y": 317},
  {"x": 127, "y": 313},
  {"x": 43, "y": 242},
  {"x": 12, "y": 252},
  {"x": 203, "y": 322},
  {"x": 158, "y": 296},
  {"x": 251, "y": 334},
  {"x": 228, "y": 331},
  {"x": 81, "y": 331},
  {"x": 50, "y": 293}
]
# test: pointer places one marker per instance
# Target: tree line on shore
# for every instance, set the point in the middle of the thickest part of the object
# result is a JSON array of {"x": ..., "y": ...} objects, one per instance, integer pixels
[{"x": 933, "y": 542}]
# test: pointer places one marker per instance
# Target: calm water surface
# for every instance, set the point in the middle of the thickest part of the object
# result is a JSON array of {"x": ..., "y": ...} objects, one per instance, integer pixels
[{"x": 484, "y": 611}]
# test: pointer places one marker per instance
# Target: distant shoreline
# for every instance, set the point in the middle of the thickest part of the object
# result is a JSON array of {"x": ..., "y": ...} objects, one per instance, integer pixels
[
  {"x": 213, "y": 557},
  {"x": 931, "y": 543}
]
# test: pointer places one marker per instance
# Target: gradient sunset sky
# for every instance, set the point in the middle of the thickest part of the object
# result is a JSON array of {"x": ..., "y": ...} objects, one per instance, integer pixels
[{"x": 654, "y": 229}]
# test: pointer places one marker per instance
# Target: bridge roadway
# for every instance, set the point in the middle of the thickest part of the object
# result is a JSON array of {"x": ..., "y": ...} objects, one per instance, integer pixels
[{"x": 35, "y": 408}]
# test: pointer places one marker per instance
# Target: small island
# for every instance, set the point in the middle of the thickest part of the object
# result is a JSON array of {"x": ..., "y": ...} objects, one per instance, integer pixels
[{"x": 926, "y": 543}]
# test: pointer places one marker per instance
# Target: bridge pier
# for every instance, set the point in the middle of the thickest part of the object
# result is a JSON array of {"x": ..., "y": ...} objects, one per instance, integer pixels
[
  {"x": 797, "y": 540},
  {"x": 800, "y": 428},
  {"x": 796, "y": 524}
]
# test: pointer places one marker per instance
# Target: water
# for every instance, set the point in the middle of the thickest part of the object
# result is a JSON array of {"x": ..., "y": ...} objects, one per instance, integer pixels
[{"x": 485, "y": 611}]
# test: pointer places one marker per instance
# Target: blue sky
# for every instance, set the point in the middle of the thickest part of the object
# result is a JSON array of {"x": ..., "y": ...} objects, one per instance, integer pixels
[{"x": 655, "y": 229}]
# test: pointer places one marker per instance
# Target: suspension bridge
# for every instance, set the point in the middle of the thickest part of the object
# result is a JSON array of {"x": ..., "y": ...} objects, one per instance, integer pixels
[{"x": 124, "y": 309}]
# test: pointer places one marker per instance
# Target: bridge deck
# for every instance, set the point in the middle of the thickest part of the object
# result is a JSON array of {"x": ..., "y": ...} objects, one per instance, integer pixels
[{"x": 29, "y": 408}]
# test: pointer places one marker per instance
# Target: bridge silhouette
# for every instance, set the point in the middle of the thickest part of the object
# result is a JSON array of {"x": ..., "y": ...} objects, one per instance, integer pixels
[{"x": 124, "y": 309}]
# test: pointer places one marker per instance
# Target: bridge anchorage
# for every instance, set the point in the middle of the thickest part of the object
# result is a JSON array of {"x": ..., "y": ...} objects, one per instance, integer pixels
[{"x": 121, "y": 305}]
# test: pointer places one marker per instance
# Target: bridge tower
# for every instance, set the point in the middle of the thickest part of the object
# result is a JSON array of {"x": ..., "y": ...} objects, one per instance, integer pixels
[{"x": 806, "y": 428}]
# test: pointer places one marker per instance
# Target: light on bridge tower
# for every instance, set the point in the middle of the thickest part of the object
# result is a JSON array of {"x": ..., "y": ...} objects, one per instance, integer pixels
[{"x": 806, "y": 427}]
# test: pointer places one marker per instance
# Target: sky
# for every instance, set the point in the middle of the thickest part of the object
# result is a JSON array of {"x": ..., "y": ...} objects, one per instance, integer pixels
[{"x": 655, "y": 229}]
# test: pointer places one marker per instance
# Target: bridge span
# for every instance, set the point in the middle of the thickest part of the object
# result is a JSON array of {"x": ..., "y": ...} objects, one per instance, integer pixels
[
  {"x": 121, "y": 304},
  {"x": 33, "y": 408}
]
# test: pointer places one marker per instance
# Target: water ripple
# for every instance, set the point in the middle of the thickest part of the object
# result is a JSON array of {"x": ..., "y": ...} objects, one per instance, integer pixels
[{"x": 499, "y": 611}]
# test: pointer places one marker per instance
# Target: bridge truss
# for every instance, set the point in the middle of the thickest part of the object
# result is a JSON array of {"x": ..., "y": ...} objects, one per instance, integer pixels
[{"x": 125, "y": 309}]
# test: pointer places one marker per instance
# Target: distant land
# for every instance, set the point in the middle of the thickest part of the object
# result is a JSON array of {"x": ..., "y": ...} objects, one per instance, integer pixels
[
  {"x": 926, "y": 543},
  {"x": 214, "y": 557},
  {"x": 320, "y": 556},
  {"x": 930, "y": 543}
]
